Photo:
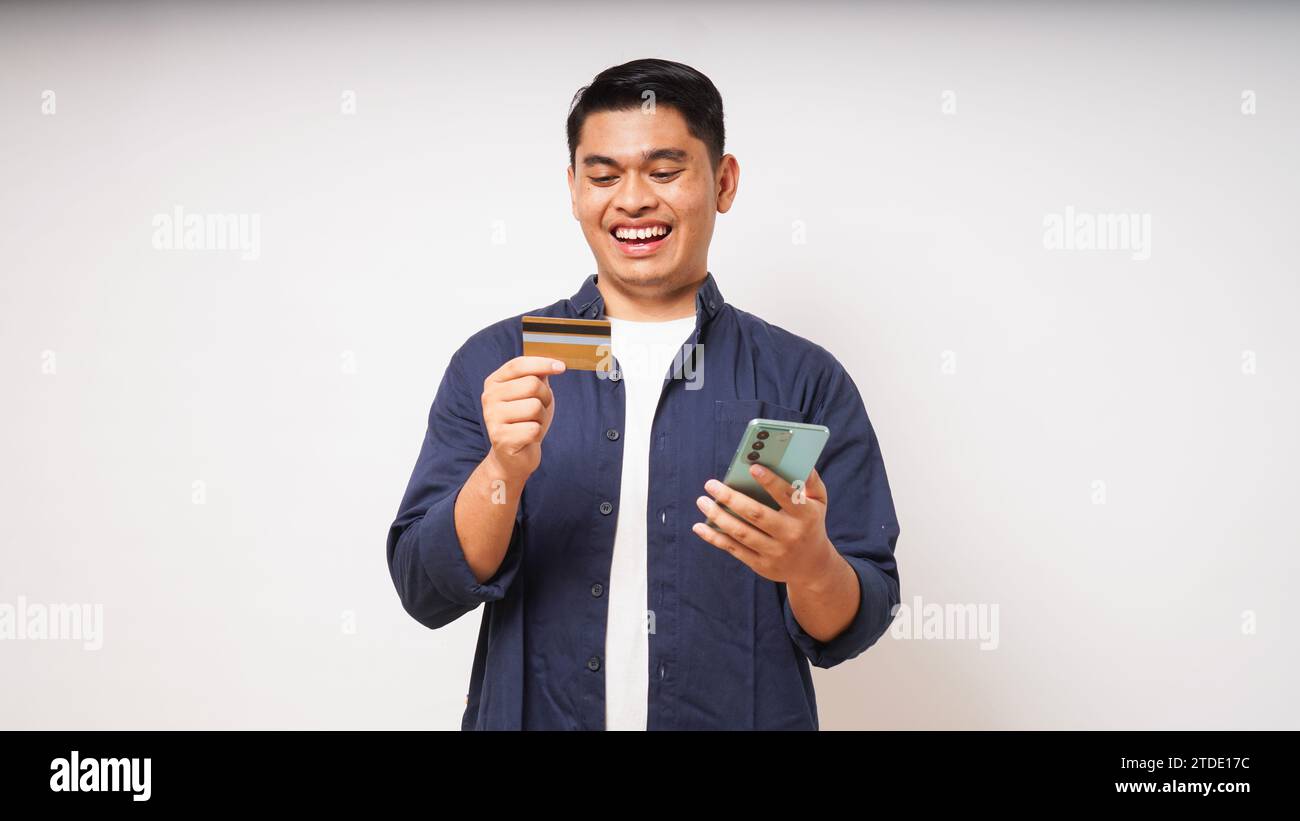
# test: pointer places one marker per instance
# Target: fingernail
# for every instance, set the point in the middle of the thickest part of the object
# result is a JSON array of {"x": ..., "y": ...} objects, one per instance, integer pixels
[
  {"x": 757, "y": 470},
  {"x": 558, "y": 365}
]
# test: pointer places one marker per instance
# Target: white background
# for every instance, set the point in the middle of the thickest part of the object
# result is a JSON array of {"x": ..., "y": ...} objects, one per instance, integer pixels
[{"x": 924, "y": 236}]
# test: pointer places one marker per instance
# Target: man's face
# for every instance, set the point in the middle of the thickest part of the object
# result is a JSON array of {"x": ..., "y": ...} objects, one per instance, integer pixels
[{"x": 636, "y": 171}]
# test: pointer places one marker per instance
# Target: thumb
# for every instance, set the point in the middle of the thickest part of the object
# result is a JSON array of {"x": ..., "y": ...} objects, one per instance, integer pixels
[{"x": 814, "y": 486}]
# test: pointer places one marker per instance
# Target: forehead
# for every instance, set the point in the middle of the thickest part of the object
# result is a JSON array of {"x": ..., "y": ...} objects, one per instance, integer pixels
[{"x": 625, "y": 135}]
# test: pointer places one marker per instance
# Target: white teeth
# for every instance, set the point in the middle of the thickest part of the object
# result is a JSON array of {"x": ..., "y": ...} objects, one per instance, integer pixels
[{"x": 641, "y": 233}]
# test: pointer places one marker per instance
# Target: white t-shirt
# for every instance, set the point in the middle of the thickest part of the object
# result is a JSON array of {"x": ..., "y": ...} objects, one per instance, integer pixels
[{"x": 645, "y": 351}]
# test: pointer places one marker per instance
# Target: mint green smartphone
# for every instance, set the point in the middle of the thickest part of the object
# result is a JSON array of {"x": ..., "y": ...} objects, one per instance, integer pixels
[{"x": 788, "y": 449}]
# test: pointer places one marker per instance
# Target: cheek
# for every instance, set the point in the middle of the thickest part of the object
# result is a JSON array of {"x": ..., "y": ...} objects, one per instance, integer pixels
[
  {"x": 693, "y": 224},
  {"x": 590, "y": 220},
  {"x": 590, "y": 210},
  {"x": 693, "y": 208}
]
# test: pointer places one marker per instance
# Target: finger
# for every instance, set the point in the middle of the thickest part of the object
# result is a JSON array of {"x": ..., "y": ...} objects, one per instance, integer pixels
[
  {"x": 776, "y": 486},
  {"x": 525, "y": 365},
  {"x": 530, "y": 409},
  {"x": 724, "y": 542},
  {"x": 815, "y": 487},
  {"x": 766, "y": 520},
  {"x": 780, "y": 490},
  {"x": 738, "y": 529},
  {"x": 805, "y": 491},
  {"x": 524, "y": 387}
]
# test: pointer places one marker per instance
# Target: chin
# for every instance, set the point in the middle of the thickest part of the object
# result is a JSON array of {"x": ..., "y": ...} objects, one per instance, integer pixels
[{"x": 646, "y": 272}]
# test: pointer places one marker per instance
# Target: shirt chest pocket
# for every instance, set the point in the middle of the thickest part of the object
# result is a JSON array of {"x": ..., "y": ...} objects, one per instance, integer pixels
[{"x": 731, "y": 417}]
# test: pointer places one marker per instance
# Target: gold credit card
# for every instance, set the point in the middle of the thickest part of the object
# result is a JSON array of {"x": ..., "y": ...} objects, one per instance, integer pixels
[{"x": 582, "y": 344}]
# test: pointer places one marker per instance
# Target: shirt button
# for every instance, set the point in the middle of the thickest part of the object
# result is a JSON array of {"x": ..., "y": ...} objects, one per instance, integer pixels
[
  {"x": 615, "y": 375},
  {"x": 597, "y": 589},
  {"x": 611, "y": 434},
  {"x": 606, "y": 507},
  {"x": 593, "y": 664}
]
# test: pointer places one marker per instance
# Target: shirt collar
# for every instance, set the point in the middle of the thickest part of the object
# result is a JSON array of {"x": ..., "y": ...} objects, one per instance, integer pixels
[{"x": 589, "y": 304}]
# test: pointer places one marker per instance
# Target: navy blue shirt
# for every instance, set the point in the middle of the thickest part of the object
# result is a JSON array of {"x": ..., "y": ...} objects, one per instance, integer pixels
[{"x": 726, "y": 651}]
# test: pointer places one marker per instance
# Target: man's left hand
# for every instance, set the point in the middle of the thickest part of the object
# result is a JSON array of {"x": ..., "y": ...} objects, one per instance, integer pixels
[{"x": 787, "y": 545}]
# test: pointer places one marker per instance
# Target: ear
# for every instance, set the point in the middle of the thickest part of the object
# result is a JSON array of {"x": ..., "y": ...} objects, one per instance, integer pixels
[
  {"x": 728, "y": 182},
  {"x": 573, "y": 194}
]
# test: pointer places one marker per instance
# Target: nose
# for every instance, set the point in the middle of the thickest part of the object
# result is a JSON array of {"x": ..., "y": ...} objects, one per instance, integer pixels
[{"x": 634, "y": 195}]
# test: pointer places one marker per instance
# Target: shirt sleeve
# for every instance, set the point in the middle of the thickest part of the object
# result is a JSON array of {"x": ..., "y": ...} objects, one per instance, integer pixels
[
  {"x": 425, "y": 556},
  {"x": 860, "y": 522}
]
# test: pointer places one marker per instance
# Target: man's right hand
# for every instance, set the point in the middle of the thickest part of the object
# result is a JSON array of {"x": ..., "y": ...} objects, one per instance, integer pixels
[{"x": 517, "y": 407}]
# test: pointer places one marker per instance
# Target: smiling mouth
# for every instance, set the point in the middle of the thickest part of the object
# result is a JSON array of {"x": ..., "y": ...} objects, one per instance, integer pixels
[{"x": 650, "y": 235}]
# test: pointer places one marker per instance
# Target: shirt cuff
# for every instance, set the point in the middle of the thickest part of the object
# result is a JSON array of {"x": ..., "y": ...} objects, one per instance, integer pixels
[
  {"x": 444, "y": 560},
  {"x": 868, "y": 623}
]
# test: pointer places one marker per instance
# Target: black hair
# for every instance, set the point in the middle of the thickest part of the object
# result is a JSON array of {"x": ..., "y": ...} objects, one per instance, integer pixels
[{"x": 676, "y": 85}]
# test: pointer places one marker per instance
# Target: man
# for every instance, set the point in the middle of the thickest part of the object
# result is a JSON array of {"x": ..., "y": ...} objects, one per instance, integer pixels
[{"x": 573, "y": 505}]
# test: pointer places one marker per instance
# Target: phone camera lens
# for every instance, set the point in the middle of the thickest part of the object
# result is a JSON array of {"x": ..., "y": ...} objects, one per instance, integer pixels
[
  {"x": 753, "y": 456},
  {"x": 758, "y": 446},
  {"x": 762, "y": 434}
]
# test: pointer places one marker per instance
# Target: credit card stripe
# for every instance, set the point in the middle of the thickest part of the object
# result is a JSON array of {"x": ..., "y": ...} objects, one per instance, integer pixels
[
  {"x": 566, "y": 328},
  {"x": 562, "y": 339},
  {"x": 562, "y": 320}
]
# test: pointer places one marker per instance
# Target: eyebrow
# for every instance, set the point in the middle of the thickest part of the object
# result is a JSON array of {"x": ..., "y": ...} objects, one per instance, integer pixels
[{"x": 674, "y": 154}]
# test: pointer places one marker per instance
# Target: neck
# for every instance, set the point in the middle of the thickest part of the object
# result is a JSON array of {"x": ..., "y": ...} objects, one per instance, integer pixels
[{"x": 648, "y": 303}]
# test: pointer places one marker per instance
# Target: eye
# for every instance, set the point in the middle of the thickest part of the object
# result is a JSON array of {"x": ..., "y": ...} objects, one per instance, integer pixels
[
  {"x": 665, "y": 175},
  {"x": 601, "y": 180}
]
